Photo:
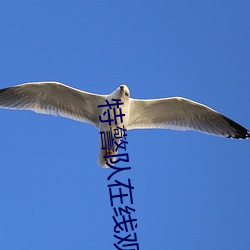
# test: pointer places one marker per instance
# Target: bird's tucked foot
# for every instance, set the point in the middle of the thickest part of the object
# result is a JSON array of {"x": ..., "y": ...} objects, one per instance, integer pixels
[{"x": 108, "y": 153}]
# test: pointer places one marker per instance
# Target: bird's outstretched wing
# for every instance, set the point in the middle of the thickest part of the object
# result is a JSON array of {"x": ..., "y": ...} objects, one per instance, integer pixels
[
  {"x": 53, "y": 98},
  {"x": 182, "y": 114}
]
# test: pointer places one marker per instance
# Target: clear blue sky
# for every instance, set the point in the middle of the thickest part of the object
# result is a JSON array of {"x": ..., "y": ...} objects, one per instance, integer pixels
[{"x": 192, "y": 190}]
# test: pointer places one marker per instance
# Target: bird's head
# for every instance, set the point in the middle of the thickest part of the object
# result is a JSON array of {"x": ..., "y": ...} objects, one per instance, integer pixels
[{"x": 124, "y": 91}]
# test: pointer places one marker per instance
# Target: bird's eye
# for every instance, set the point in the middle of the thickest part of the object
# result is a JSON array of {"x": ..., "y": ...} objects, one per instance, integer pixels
[{"x": 126, "y": 93}]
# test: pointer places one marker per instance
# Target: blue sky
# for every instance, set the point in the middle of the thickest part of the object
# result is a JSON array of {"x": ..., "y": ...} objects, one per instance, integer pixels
[{"x": 191, "y": 190}]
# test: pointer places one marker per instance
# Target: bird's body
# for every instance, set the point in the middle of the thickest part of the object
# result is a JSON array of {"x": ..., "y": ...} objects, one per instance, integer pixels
[
  {"x": 104, "y": 126},
  {"x": 167, "y": 113}
]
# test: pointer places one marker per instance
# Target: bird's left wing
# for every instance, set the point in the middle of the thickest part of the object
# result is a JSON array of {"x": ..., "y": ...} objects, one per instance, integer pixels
[
  {"x": 53, "y": 98},
  {"x": 182, "y": 114}
]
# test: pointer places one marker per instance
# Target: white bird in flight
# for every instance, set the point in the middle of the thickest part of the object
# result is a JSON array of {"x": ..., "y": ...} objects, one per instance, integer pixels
[{"x": 175, "y": 113}]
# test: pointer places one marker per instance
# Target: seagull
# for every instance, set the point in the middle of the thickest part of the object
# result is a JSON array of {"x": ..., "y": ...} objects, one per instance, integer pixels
[{"x": 176, "y": 113}]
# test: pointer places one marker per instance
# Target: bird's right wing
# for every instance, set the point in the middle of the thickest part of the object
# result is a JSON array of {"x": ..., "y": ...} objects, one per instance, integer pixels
[
  {"x": 182, "y": 114},
  {"x": 53, "y": 98}
]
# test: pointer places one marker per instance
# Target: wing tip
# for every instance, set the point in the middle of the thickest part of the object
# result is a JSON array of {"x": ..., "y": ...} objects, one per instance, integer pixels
[
  {"x": 239, "y": 131},
  {"x": 246, "y": 136}
]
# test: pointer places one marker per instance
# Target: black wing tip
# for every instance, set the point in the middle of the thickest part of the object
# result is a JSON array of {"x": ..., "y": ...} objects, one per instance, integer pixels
[
  {"x": 240, "y": 136},
  {"x": 239, "y": 131}
]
